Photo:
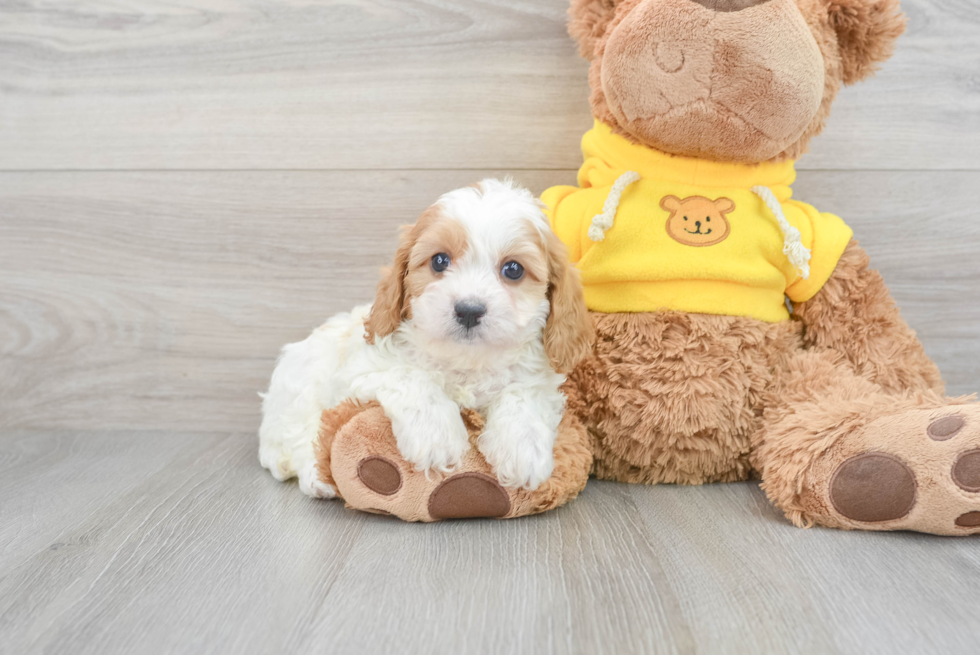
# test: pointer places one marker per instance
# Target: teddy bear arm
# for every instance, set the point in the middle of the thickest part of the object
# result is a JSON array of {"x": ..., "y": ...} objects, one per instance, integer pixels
[{"x": 854, "y": 313}]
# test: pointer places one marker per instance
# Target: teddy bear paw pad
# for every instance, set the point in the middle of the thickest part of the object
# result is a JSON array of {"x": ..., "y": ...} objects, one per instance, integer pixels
[
  {"x": 468, "y": 496},
  {"x": 969, "y": 520},
  {"x": 873, "y": 487},
  {"x": 966, "y": 471},
  {"x": 917, "y": 469},
  {"x": 380, "y": 475},
  {"x": 945, "y": 428}
]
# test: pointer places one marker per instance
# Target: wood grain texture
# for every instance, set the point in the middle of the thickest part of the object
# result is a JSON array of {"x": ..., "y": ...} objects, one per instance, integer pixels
[
  {"x": 160, "y": 300},
  {"x": 395, "y": 84},
  {"x": 208, "y": 554},
  {"x": 761, "y": 587},
  {"x": 189, "y": 186}
]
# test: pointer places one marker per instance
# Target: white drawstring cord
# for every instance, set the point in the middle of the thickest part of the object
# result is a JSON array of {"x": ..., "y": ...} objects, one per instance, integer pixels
[
  {"x": 604, "y": 221},
  {"x": 793, "y": 248},
  {"x": 798, "y": 254}
]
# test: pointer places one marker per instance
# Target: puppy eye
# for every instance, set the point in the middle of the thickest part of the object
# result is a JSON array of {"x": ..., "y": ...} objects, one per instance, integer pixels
[
  {"x": 440, "y": 262},
  {"x": 512, "y": 271}
]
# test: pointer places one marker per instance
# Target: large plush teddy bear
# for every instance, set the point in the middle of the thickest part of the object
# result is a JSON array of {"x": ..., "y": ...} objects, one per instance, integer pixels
[{"x": 689, "y": 243}]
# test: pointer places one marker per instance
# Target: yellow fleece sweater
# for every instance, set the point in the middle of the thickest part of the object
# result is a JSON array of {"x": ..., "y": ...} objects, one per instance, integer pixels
[{"x": 691, "y": 235}]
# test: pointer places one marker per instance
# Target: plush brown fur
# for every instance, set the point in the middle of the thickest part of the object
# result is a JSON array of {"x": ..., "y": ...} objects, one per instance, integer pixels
[
  {"x": 854, "y": 314},
  {"x": 674, "y": 397},
  {"x": 690, "y": 399}
]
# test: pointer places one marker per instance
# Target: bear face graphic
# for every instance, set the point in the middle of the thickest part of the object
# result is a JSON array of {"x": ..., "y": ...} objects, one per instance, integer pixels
[{"x": 698, "y": 221}]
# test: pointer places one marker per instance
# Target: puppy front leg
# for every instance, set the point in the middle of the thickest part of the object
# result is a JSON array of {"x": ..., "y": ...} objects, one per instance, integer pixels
[
  {"x": 428, "y": 428},
  {"x": 519, "y": 438}
]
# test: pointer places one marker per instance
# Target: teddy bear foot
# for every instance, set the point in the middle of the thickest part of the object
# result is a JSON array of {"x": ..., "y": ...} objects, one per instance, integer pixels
[
  {"x": 914, "y": 470},
  {"x": 468, "y": 495},
  {"x": 357, "y": 454}
]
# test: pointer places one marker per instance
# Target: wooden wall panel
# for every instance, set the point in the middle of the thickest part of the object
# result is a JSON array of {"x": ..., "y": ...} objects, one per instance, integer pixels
[
  {"x": 160, "y": 300},
  {"x": 395, "y": 84}
]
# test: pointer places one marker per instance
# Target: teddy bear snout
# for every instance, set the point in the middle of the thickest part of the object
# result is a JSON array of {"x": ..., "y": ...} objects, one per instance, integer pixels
[
  {"x": 729, "y": 5},
  {"x": 732, "y": 83}
]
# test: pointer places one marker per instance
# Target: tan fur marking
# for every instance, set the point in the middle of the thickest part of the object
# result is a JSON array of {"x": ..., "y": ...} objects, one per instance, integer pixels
[
  {"x": 443, "y": 235},
  {"x": 410, "y": 274}
]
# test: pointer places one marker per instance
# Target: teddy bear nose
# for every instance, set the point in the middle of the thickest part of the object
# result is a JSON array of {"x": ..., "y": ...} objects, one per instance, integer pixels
[{"x": 729, "y": 5}]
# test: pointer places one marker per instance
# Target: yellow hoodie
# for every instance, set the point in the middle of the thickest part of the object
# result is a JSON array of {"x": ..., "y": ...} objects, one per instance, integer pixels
[{"x": 651, "y": 231}]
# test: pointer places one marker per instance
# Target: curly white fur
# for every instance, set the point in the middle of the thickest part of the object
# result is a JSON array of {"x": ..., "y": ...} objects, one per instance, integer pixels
[{"x": 422, "y": 378}]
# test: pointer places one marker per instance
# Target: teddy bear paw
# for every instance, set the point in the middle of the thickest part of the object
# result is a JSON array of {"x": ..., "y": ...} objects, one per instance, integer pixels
[{"x": 916, "y": 470}]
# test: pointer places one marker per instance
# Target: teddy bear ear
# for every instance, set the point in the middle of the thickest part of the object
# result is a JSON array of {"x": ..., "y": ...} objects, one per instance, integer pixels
[
  {"x": 670, "y": 203},
  {"x": 724, "y": 205},
  {"x": 587, "y": 22},
  {"x": 866, "y": 32}
]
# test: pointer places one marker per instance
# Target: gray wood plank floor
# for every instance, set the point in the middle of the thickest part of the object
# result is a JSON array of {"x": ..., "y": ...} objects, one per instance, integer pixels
[
  {"x": 184, "y": 187},
  {"x": 176, "y": 542}
]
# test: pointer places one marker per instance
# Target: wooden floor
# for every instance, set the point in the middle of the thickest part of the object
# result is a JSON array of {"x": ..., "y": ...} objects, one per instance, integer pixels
[{"x": 184, "y": 187}]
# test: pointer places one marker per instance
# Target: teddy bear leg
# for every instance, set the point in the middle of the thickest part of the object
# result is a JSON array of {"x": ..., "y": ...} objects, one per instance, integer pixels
[
  {"x": 837, "y": 450},
  {"x": 854, "y": 314},
  {"x": 357, "y": 453}
]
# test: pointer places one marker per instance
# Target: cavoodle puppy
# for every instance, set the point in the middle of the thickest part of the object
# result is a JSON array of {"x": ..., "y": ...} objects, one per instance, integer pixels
[{"x": 481, "y": 310}]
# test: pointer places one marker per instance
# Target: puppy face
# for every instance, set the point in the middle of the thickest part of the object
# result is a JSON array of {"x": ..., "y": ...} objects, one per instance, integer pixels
[{"x": 482, "y": 270}]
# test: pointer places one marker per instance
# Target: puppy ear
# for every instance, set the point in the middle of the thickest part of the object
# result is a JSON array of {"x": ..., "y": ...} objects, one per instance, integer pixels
[
  {"x": 568, "y": 334},
  {"x": 587, "y": 22},
  {"x": 866, "y": 32},
  {"x": 389, "y": 307}
]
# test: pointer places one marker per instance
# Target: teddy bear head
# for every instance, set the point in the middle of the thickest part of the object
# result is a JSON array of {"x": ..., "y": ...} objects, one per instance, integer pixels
[
  {"x": 697, "y": 221},
  {"x": 728, "y": 80}
]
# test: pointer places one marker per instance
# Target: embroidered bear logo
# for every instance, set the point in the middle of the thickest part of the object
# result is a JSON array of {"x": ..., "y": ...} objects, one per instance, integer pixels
[{"x": 698, "y": 221}]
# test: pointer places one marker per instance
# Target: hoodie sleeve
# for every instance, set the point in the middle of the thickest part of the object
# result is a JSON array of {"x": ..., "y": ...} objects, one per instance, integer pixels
[
  {"x": 828, "y": 237},
  {"x": 570, "y": 211}
]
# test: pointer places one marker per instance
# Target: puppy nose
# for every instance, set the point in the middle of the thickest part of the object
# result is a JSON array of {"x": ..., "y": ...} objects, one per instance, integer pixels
[
  {"x": 729, "y": 5},
  {"x": 469, "y": 313}
]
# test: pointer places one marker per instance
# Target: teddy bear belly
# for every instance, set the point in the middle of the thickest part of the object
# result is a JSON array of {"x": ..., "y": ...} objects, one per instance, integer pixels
[{"x": 675, "y": 397}]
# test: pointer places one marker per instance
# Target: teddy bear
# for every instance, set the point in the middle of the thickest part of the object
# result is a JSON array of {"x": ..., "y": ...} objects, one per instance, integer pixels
[{"x": 742, "y": 333}]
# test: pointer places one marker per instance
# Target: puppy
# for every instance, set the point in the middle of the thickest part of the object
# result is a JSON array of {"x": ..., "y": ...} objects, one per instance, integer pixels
[{"x": 481, "y": 310}]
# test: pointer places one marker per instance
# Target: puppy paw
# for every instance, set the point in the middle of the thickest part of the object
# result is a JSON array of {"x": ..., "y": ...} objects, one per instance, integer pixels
[
  {"x": 311, "y": 485},
  {"x": 432, "y": 439},
  {"x": 277, "y": 461},
  {"x": 520, "y": 454}
]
